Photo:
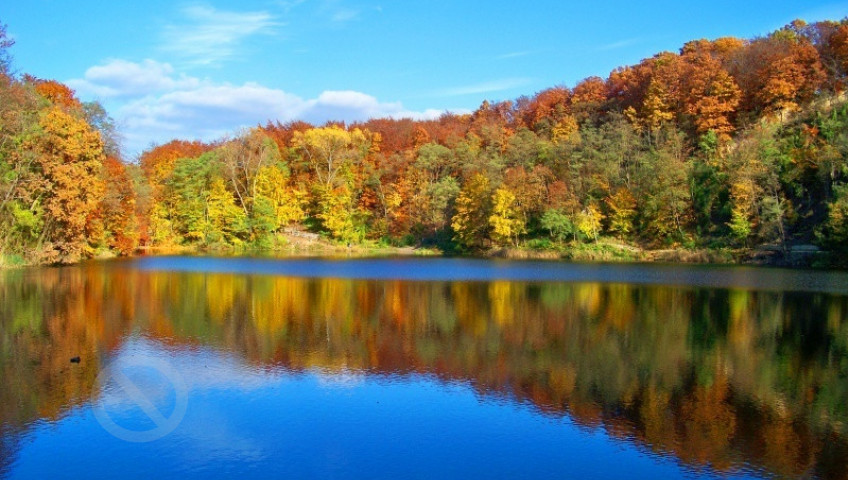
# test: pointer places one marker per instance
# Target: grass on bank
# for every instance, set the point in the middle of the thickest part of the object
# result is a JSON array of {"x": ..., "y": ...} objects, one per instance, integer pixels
[{"x": 12, "y": 261}]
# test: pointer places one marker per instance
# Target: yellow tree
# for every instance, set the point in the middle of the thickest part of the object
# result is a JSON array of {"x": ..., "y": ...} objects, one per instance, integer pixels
[
  {"x": 243, "y": 159},
  {"x": 330, "y": 150},
  {"x": 71, "y": 157},
  {"x": 744, "y": 193},
  {"x": 661, "y": 102},
  {"x": 622, "y": 207},
  {"x": 161, "y": 228},
  {"x": 339, "y": 214},
  {"x": 287, "y": 202},
  {"x": 470, "y": 223},
  {"x": 506, "y": 220},
  {"x": 589, "y": 222},
  {"x": 657, "y": 108},
  {"x": 223, "y": 217},
  {"x": 566, "y": 131}
]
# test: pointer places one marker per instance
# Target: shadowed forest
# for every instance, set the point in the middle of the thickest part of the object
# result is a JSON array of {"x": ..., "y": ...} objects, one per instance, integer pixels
[{"x": 727, "y": 145}]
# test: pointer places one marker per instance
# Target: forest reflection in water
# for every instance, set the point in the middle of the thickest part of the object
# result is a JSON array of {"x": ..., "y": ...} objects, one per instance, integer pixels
[{"x": 722, "y": 379}]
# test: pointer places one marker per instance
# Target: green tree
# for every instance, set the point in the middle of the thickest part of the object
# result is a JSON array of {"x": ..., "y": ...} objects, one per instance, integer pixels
[
  {"x": 740, "y": 225},
  {"x": 559, "y": 224},
  {"x": 243, "y": 160},
  {"x": 665, "y": 196},
  {"x": 835, "y": 230},
  {"x": 437, "y": 160},
  {"x": 186, "y": 195}
]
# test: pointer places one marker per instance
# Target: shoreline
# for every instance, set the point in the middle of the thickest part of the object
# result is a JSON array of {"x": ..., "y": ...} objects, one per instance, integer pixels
[{"x": 801, "y": 257}]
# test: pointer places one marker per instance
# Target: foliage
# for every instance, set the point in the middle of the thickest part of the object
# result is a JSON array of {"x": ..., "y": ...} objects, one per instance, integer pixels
[
  {"x": 331, "y": 150},
  {"x": 727, "y": 142},
  {"x": 835, "y": 229},
  {"x": 340, "y": 216},
  {"x": 471, "y": 221},
  {"x": 559, "y": 224},
  {"x": 622, "y": 208},
  {"x": 285, "y": 201},
  {"x": 506, "y": 221},
  {"x": 70, "y": 158},
  {"x": 589, "y": 222}
]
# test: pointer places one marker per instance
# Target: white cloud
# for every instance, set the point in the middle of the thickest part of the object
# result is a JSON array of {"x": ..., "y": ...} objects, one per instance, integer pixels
[
  {"x": 210, "y": 35},
  {"x": 120, "y": 78},
  {"x": 333, "y": 11},
  {"x": 620, "y": 44},
  {"x": 337, "y": 12},
  {"x": 347, "y": 105},
  {"x": 485, "y": 87},
  {"x": 288, "y": 5},
  {"x": 152, "y": 104},
  {"x": 212, "y": 111},
  {"x": 209, "y": 109},
  {"x": 509, "y": 55},
  {"x": 344, "y": 15}
]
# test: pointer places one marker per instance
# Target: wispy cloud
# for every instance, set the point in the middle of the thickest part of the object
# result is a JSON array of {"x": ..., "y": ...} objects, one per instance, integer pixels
[
  {"x": 338, "y": 12},
  {"x": 509, "y": 55},
  {"x": 485, "y": 87},
  {"x": 288, "y": 5},
  {"x": 208, "y": 35},
  {"x": 344, "y": 15},
  {"x": 620, "y": 44}
]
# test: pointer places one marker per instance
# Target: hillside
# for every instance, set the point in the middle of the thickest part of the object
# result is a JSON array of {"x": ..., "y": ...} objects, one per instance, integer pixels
[{"x": 727, "y": 145}]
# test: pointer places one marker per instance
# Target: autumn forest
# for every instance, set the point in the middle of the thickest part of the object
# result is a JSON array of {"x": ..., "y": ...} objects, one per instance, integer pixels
[{"x": 726, "y": 145}]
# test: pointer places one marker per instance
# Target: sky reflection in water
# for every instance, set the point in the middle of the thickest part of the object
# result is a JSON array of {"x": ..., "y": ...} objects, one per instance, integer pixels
[{"x": 306, "y": 376}]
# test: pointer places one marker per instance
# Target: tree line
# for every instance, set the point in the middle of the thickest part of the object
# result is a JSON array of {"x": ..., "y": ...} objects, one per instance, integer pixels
[{"x": 728, "y": 143}]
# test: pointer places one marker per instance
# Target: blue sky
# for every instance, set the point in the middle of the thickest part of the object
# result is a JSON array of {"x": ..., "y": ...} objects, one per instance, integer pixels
[{"x": 167, "y": 69}]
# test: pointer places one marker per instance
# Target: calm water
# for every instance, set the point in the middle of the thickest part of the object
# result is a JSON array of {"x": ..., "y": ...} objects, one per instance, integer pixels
[{"x": 421, "y": 368}]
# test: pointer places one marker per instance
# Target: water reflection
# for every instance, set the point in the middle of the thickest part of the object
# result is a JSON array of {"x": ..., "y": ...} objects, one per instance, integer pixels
[{"x": 723, "y": 380}]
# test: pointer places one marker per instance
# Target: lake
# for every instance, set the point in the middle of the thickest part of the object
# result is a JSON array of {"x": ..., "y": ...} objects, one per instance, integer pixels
[{"x": 192, "y": 367}]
